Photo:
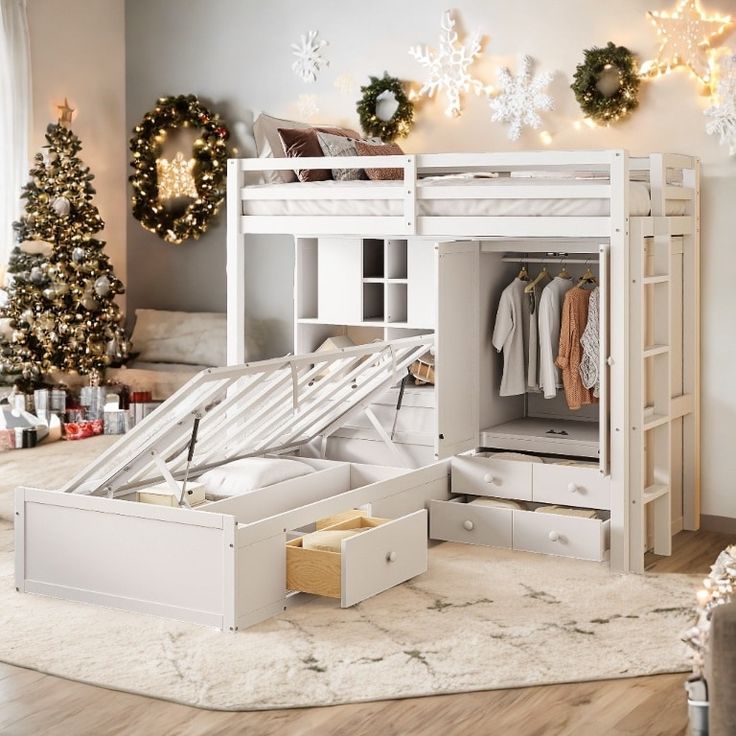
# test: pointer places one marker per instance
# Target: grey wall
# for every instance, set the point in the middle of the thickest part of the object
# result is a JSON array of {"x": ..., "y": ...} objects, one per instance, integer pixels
[{"x": 235, "y": 54}]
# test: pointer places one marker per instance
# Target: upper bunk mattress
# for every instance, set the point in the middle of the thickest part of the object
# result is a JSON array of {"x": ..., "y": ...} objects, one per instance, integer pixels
[{"x": 639, "y": 201}]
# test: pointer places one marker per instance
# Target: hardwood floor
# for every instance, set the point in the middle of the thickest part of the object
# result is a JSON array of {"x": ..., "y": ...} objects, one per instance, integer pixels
[{"x": 33, "y": 704}]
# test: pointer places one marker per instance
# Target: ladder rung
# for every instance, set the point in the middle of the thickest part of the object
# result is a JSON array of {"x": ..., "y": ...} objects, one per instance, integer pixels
[
  {"x": 656, "y": 280},
  {"x": 655, "y": 420},
  {"x": 651, "y": 350},
  {"x": 653, "y": 492}
]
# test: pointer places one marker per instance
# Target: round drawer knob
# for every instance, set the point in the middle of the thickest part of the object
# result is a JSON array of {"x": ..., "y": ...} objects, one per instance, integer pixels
[
  {"x": 573, "y": 488},
  {"x": 391, "y": 556},
  {"x": 554, "y": 537},
  {"x": 468, "y": 525},
  {"x": 488, "y": 478}
]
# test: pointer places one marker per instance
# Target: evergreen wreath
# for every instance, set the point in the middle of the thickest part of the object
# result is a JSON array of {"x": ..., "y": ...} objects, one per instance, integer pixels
[
  {"x": 399, "y": 125},
  {"x": 590, "y": 76},
  {"x": 210, "y": 154}
]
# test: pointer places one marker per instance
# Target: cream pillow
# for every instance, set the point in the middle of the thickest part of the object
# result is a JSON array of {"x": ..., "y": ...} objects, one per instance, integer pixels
[
  {"x": 250, "y": 474},
  {"x": 194, "y": 338},
  {"x": 565, "y": 511}
]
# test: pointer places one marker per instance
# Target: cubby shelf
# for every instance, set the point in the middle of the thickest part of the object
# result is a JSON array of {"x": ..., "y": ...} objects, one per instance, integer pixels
[{"x": 365, "y": 323}]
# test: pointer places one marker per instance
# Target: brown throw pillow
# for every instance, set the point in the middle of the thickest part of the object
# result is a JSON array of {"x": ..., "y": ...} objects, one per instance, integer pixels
[
  {"x": 378, "y": 149},
  {"x": 303, "y": 142}
]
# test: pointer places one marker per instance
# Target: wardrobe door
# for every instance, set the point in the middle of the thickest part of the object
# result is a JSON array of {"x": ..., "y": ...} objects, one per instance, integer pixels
[
  {"x": 604, "y": 419},
  {"x": 456, "y": 348}
]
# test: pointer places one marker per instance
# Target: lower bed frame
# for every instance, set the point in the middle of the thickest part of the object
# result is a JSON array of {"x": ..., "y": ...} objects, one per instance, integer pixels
[{"x": 223, "y": 564}]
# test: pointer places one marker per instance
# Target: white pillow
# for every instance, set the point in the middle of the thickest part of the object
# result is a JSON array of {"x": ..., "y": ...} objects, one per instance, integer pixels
[
  {"x": 251, "y": 473},
  {"x": 194, "y": 338},
  {"x": 269, "y": 144}
]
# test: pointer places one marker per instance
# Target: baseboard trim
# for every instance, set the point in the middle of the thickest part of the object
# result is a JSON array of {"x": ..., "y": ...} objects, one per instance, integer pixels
[{"x": 720, "y": 524}]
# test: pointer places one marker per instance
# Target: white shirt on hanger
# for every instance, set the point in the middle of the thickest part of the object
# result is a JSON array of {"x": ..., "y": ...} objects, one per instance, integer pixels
[
  {"x": 511, "y": 335},
  {"x": 549, "y": 312}
]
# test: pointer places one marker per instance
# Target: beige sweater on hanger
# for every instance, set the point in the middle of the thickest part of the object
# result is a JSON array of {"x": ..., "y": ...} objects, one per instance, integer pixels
[{"x": 573, "y": 323}]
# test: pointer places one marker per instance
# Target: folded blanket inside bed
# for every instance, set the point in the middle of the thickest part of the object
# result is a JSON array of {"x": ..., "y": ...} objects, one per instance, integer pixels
[
  {"x": 499, "y": 503},
  {"x": 328, "y": 540},
  {"x": 251, "y": 473},
  {"x": 566, "y": 511}
]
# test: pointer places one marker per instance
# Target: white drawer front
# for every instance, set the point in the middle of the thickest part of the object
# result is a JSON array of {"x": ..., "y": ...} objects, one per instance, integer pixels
[
  {"x": 380, "y": 558},
  {"x": 455, "y": 521},
  {"x": 552, "y": 534},
  {"x": 484, "y": 476},
  {"x": 571, "y": 485}
]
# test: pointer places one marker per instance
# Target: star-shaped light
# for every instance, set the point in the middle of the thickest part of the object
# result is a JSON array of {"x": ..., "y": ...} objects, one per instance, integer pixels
[
  {"x": 686, "y": 34},
  {"x": 448, "y": 67},
  {"x": 65, "y": 116}
]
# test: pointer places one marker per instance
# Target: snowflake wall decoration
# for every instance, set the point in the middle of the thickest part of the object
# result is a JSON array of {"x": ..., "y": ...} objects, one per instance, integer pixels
[
  {"x": 307, "y": 107},
  {"x": 309, "y": 59},
  {"x": 448, "y": 67},
  {"x": 722, "y": 112},
  {"x": 686, "y": 34},
  {"x": 521, "y": 97},
  {"x": 345, "y": 85}
]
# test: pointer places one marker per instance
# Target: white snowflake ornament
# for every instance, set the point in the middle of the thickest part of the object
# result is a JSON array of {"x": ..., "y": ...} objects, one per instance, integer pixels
[
  {"x": 307, "y": 107},
  {"x": 521, "y": 97},
  {"x": 309, "y": 59},
  {"x": 448, "y": 67},
  {"x": 722, "y": 112}
]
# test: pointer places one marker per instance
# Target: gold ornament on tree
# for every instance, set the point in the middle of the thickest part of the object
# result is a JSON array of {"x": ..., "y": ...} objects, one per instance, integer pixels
[
  {"x": 688, "y": 34},
  {"x": 176, "y": 178}
]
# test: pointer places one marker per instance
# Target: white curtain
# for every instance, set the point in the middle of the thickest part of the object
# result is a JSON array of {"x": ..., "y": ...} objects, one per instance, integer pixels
[{"x": 15, "y": 117}]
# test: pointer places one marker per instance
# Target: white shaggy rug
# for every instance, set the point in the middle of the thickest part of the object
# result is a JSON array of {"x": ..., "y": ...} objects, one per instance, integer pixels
[{"x": 478, "y": 619}]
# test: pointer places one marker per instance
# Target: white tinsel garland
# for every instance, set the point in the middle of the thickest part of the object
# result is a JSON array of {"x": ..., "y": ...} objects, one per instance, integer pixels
[{"x": 718, "y": 589}]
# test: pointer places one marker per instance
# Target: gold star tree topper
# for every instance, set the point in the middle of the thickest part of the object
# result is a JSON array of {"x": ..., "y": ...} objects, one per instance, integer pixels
[
  {"x": 686, "y": 34},
  {"x": 65, "y": 114}
]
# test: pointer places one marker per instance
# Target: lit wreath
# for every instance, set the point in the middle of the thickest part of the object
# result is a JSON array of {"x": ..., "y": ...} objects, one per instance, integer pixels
[
  {"x": 209, "y": 154},
  {"x": 399, "y": 124},
  {"x": 606, "y": 84}
]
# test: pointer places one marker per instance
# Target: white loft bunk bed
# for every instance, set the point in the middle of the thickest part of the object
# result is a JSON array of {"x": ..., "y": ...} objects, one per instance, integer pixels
[
  {"x": 474, "y": 217},
  {"x": 420, "y": 277}
]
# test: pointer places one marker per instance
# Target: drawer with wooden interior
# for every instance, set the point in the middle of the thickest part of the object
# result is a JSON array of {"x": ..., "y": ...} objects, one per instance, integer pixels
[{"x": 358, "y": 557}]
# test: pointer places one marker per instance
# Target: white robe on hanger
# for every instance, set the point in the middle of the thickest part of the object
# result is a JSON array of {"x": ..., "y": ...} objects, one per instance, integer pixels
[
  {"x": 549, "y": 313},
  {"x": 511, "y": 335}
]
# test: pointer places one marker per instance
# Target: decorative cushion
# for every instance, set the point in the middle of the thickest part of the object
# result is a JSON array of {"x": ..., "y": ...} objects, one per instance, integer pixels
[
  {"x": 303, "y": 143},
  {"x": 338, "y": 145},
  {"x": 251, "y": 473},
  {"x": 328, "y": 540},
  {"x": 364, "y": 148},
  {"x": 194, "y": 338},
  {"x": 269, "y": 145}
]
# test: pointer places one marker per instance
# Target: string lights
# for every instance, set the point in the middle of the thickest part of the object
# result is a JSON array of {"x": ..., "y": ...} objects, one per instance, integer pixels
[{"x": 687, "y": 34}]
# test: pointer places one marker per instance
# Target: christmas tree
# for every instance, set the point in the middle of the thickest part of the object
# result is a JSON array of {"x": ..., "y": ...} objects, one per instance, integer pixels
[{"x": 60, "y": 313}]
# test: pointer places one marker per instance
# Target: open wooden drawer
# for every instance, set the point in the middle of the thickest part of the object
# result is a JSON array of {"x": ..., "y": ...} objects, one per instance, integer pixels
[{"x": 387, "y": 553}]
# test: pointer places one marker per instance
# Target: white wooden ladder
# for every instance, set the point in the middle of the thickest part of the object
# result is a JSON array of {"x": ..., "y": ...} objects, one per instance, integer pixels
[{"x": 650, "y": 470}]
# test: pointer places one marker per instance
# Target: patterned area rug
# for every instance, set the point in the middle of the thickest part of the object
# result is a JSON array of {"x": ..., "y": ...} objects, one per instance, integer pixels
[{"x": 478, "y": 619}]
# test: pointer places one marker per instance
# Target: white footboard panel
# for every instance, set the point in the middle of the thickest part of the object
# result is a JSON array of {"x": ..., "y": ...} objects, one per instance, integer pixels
[{"x": 150, "y": 559}]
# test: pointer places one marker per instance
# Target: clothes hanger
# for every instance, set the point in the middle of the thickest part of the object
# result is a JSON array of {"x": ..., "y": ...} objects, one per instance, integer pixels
[
  {"x": 588, "y": 277},
  {"x": 543, "y": 274},
  {"x": 564, "y": 273},
  {"x": 523, "y": 273}
]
